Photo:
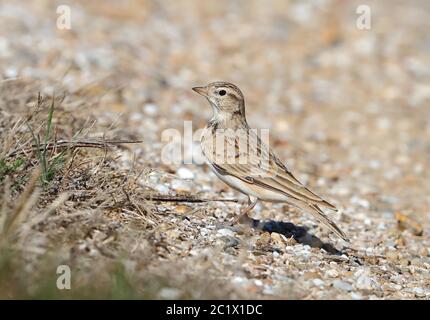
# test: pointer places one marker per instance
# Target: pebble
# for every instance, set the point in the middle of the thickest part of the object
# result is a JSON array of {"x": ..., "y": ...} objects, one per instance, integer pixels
[
  {"x": 230, "y": 243},
  {"x": 318, "y": 282},
  {"x": 424, "y": 252},
  {"x": 364, "y": 282},
  {"x": 161, "y": 188},
  {"x": 419, "y": 292},
  {"x": 226, "y": 232},
  {"x": 169, "y": 293},
  {"x": 268, "y": 290},
  {"x": 342, "y": 285},
  {"x": 356, "y": 296},
  {"x": 258, "y": 283},
  {"x": 332, "y": 273},
  {"x": 180, "y": 185},
  {"x": 185, "y": 173},
  {"x": 238, "y": 280},
  {"x": 150, "y": 109}
]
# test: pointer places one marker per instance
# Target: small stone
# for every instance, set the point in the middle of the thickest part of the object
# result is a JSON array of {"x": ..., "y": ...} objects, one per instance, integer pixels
[
  {"x": 268, "y": 290},
  {"x": 392, "y": 256},
  {"x": 162, "y": 188},
  {"x": 264, "y": 239},
  {"x": 182, "y": 209},
  {"x": 278, "y": 240},
  {"x": 356, "y": 296},
  {"x": 311, "y": 275},
  {"x": 238, "y": 280},
  {"x": 332, "y": 273},
  {"x": 364, "y": 282},
  {"x": 180, "y": 185},
  {"x": 278, "y": 237},
  {"x": 342, "y": 285},
  {"x": 424, "y": 252},
  {"x": 150, "y": 109},
  {"x": 185, "y": 173},
  {"x": 419, "y": 292},
  {"x": 405, "y": 222},
  {"x": 397, "y": 287},
  {"x": 220, "y": 213},
  {"x": 405, "y": 262},
  {"x": 169, "y": 293},
  {"x": 318, "y": 282},
  {"x": 226, "y": 232},
  {"x": 230, "y": 244},
  {"x": 258, "y": 283}
]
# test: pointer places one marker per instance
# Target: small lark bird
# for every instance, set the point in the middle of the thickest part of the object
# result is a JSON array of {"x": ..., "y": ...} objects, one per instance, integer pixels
[{"x": 240, "y": 158}]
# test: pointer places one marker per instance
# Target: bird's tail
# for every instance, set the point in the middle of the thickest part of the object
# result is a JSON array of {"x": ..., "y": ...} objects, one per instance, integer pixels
[{"x": 320, "y": 215}]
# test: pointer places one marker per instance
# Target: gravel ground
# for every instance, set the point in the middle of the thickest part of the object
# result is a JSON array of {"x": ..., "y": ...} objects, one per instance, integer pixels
[{"x": 348, "y": 111}]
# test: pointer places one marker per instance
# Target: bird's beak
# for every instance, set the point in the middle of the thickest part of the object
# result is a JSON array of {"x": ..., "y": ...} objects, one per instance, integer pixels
[{"x": 201, "y": 90}]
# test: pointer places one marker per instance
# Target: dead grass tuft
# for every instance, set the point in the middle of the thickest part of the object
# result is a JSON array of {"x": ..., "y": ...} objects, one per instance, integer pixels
[{"x": 68, "y": 200}]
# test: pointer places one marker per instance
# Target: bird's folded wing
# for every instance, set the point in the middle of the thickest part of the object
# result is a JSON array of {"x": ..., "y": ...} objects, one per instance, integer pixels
[{"x": 259, "y": 166}]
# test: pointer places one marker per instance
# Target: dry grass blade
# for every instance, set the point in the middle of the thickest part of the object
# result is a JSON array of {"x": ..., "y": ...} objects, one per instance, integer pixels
[
  {"x": 10, "y": 138},
  {"x": 5, "y": 202},
  {"x": 19, "y": 213},
  {"x": 51, "y": 208}
]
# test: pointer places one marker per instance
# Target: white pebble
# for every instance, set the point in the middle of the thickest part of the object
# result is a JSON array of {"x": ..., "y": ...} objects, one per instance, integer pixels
[
  {"x": 185, "y": 173},
  {"x": 318, "y": 282},
  {"x": 356, "y": 296},
  {"x": 342, "y": 285},
  {"x": 226, "y": 232},
  {"x": 332, "y": 273},
  {"x": 162, "y": 188},
  {"x": 238, "y": 280},
  {"x": 258, "y": 283},
  {"x": 169, "y": 293},
  {"x": 364, "y": 281},
  {"x": 150, "y": 109},
  {"x": 418, "y": 291},
  {"x": 180, "y": 185}
]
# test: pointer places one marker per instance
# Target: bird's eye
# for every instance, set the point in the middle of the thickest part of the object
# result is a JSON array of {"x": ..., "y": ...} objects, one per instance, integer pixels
[{"x": 222, "y": 92}]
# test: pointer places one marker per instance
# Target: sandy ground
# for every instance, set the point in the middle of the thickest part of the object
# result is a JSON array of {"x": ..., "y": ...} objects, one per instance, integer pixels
[{"x": 348, "y": 112}]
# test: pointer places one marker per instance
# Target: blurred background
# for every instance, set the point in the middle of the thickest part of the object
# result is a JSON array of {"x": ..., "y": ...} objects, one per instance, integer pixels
[{"x": 348, "y": 108}]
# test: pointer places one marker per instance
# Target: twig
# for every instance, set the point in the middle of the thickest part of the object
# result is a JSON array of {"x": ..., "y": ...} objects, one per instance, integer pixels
[
  {"x": 186, "y": 199},
  {"x": 63, "y": 144},
  {"x": 160, "y": 198}
]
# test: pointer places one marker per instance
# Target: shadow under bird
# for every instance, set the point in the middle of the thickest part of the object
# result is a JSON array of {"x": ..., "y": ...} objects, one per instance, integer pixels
[{"x": 253, "y": 169}]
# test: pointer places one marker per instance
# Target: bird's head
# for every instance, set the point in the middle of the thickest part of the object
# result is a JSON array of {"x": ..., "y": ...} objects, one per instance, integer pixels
[{"x": 225, "y": 98}]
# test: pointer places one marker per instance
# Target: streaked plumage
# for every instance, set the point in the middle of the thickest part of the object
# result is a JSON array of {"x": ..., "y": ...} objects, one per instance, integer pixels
[{"x": 242, "y": 160}]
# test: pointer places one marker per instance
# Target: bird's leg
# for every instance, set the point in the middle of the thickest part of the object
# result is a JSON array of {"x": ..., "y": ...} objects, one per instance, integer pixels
[{"x": 243, "y": 213}]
